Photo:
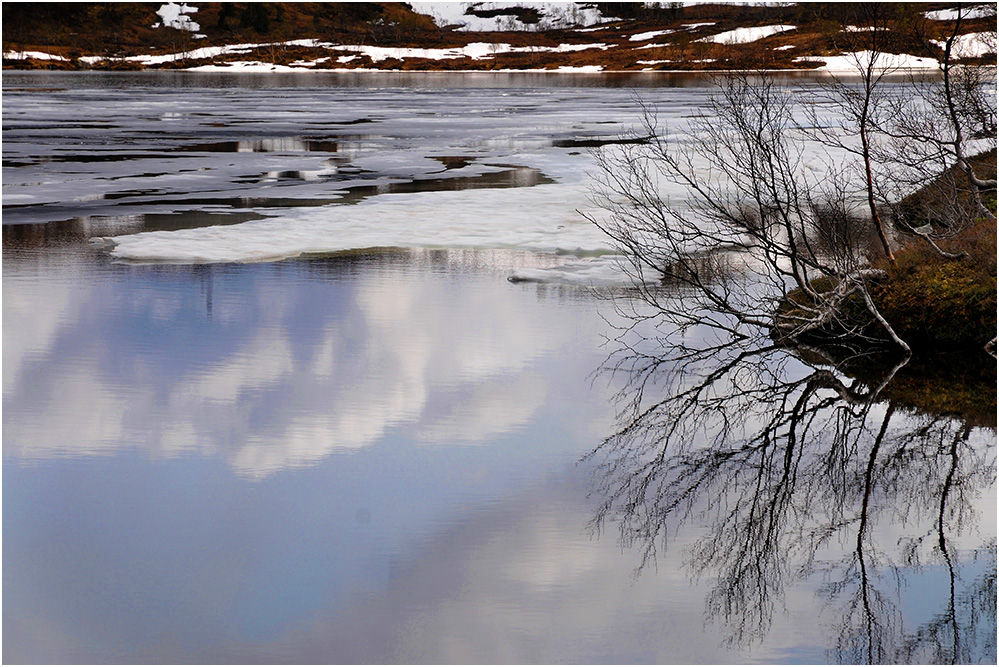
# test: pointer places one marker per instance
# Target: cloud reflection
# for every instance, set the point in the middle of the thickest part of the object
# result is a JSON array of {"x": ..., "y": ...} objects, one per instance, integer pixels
[{"x": 298, "y": 360}]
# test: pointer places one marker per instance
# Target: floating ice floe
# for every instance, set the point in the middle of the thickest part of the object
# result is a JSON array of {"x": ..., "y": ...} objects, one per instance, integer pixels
[
  {"x": 604, "y": 271},
  {"x": 536, "y": 219},
  {"x": 747, "y": 35}
]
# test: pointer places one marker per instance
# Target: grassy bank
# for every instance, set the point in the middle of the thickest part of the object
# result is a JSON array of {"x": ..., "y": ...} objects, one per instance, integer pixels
[{"x": 932, "y": 301}]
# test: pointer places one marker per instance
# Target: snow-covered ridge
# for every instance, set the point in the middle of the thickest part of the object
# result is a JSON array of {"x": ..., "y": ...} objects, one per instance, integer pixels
[{"x": 629, "y": 40}]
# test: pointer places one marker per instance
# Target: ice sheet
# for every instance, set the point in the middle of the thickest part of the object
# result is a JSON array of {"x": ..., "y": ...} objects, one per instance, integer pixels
[
  {"x": 327, "y": 169},
  {"x": 534, "y": 219}
]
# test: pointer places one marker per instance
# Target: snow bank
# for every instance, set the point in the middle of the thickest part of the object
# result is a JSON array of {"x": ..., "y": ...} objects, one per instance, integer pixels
[
  {"x": 747, "y": 35},
  {"x": 475, "y": 51},
  {"x": 642, "y": 36},
  {"x": 35, "y": 55},
  {"x": 175, "y": 16},
  {"x": 851, "y": 62},
  {"x": 553, "y": 15},
  {"x": 248, "y": 66},
  {"x": 977, "y": 12},
  {"x": 972, "y": 45}
]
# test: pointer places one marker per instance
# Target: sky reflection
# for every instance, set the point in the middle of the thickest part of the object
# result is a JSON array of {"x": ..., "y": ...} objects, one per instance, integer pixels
[{"x": 270, "y": 367}]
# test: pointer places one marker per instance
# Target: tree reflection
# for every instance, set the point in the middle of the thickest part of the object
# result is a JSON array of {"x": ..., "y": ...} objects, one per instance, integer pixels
[{"x": 788, "y": 470}]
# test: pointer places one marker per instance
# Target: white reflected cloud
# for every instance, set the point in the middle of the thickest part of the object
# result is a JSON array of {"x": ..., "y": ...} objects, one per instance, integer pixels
[
  {"x": 289, "y": 377},
  {"x": 486, "y": 410},
  {"x": 33, "y": 314},
  {"x": 527, "y": 584},
  {"x": 265, "y": 361}
]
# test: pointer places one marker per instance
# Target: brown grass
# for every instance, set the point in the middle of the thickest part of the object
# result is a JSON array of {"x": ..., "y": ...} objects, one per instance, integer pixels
[
  {"x": 124, "y": 29},
  {"x": 932, "y": 301}
]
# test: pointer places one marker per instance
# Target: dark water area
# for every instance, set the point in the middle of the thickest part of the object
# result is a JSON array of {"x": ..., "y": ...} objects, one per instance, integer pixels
[{"x": 398, "y": 455}]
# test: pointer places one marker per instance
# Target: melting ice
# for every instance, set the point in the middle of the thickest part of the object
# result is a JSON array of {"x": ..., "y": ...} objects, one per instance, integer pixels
[{"x": 326, "y": 164}]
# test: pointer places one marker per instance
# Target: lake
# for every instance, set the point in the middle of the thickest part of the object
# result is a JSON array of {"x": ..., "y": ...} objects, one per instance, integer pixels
[{"x": 327, "y": 369}]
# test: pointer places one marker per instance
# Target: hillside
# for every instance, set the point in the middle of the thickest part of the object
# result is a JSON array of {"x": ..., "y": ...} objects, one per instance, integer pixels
[{"x": 470, "y": 36}]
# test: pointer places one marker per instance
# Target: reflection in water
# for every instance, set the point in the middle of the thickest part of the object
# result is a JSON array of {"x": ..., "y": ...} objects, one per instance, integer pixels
[
  {"x": 801, "y": 474},
  {"x": 270, "y": 367}
]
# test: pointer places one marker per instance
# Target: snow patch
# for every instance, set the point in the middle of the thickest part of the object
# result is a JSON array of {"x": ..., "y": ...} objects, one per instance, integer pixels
[
  {"x": 552, "y": 15},
  {"x": 971, "y": 45},
  {"x": 977, "y": 12},
  {"x": 642, "y": 36},
  {"x": 747, "y": 35},
  {"x": 34, "y": 55},
  {"x": 174, "y": 15},
  {"x": 852, "y": 62}
]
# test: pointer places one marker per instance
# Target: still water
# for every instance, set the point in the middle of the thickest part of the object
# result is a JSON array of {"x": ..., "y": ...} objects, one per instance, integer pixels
[{"x": 374, "y": 447}]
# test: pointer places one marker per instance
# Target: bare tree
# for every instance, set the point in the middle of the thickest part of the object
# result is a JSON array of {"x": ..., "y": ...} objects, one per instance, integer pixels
[
  {"x": 747, "y": 203},
  {"x": 729, "y": 188},
  {"x": 868, "y": 43},
  {"x": 935, "y": 136}
]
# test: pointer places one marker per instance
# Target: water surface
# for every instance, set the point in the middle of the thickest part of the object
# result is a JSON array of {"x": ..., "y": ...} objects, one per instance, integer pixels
[{"x": 396, "y": 454}]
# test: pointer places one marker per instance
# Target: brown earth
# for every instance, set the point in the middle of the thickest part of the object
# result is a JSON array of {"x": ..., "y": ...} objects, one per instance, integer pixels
[{"x": 118, "y": 30}]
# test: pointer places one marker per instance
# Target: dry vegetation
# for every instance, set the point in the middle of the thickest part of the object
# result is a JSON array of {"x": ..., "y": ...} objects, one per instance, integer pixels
[{"x": 117, "y": 30}]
